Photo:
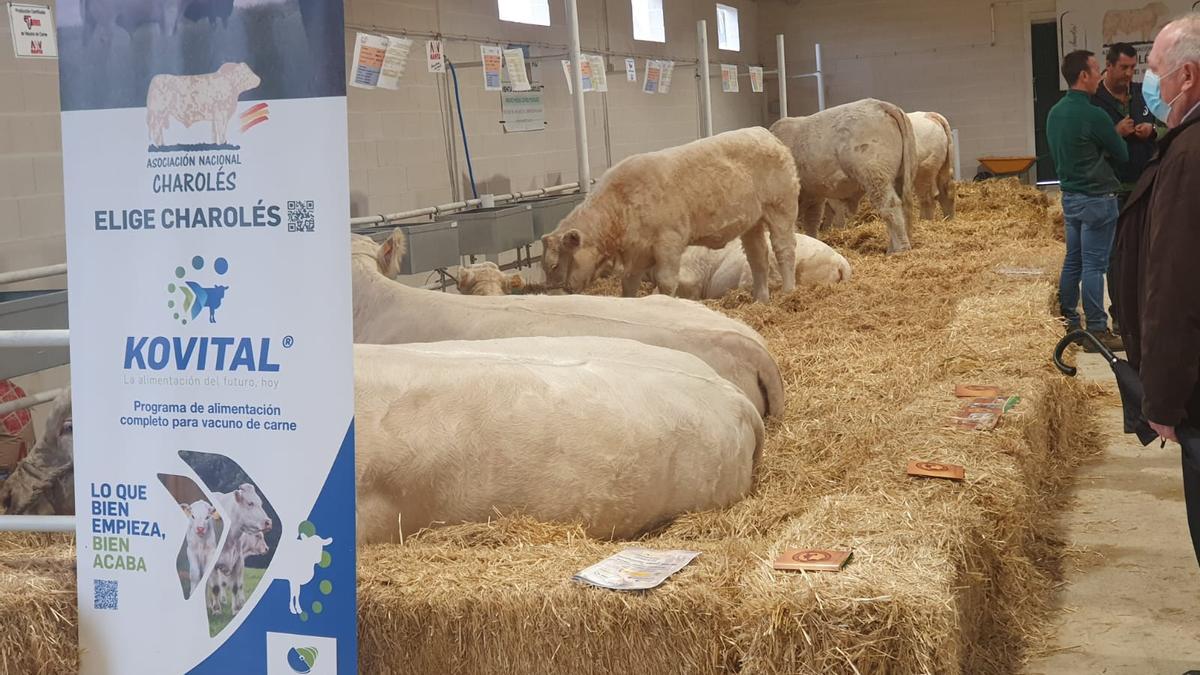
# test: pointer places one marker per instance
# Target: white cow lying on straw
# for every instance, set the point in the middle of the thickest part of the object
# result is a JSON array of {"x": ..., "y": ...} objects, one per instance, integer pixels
[
  {"x": 707, "y": 274},
  {"x": 387, "y": 312},
  {"x": 614, "y": 433}
]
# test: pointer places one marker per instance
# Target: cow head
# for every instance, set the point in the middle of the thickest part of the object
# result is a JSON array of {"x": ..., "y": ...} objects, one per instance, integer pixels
[
  {"x": 249, "y": 502},
  {"x": 486, "y": 278},
  {"x": 240, "y": 74},
  {"x": 254, "y": 543},
  {"x": 390, "y": 253},
  {"x": 44, "y": 482},
  {"x": 202, "y": 516},
  {"x": 569, "y": 260}
]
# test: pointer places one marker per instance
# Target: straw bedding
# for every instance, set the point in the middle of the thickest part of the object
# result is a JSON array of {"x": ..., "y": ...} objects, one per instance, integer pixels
[{"x": 945, "y": 578}]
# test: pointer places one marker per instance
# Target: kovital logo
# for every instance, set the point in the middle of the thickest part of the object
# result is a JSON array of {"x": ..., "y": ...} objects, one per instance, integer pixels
[
  {"x": 189, "y": 297},
  {"x": 288, "y": 654}
]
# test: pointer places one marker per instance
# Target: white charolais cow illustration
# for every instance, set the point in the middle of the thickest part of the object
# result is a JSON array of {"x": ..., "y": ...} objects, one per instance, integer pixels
[
  {"x": 296, "y": 560},
  {"x": 197, "y": 98}
]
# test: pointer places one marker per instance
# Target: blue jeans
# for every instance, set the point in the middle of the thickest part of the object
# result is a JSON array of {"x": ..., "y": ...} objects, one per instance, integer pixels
[{"x": 1090, "y": 225}]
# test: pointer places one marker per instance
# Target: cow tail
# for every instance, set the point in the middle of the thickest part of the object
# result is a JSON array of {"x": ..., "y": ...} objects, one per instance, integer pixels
[
  {"x": 946, "y": 174},
  {"x": 907, "y": 175}
]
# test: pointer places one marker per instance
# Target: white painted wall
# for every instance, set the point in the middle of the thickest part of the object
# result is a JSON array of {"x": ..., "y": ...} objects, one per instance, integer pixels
[{"x": 921, "y": 55}]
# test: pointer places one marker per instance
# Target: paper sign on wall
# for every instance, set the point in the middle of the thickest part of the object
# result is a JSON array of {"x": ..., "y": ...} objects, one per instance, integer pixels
[
  {"x": 599, "y": 72},
  {"x": 729, "y": 78},
  {"x": 523, "y": 110},
  {"x": 586, "y": 67},
  {"x": 492, "y": 64},
  {"x": 756, "y": 79},
  {"x": 514, "y": 61},
  {"x": 214, "y": 403},
  {"x": 631, "y": 70},
  {"x": 32, "y": 31},
  {"x": 435, "y": 57},
  {"x": 653, "y": 75},
  {"x": 394, "y": 61},
  {"x": 369, "y": 52},
  {"x": 668, "y": 69}
]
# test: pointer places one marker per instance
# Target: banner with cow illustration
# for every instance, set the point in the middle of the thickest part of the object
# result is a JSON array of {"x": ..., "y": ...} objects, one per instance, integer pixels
[
  {"x": 1094, "y": 25},
  {"x": 205, "y": 171}
]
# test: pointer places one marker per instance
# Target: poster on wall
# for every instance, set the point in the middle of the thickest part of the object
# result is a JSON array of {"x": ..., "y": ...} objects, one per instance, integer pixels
[
  {"x": 523, "y": 110},
  {"x": 652, "y": 77},
  {"x": 599, "y": 72},
  {"x": 492, "y": 57},
  {"x": 434, "y": 56},
  {"x": 756, "y": 79},
  {"x": 664, "y": 83},
  {"x": 32, "y": 28},
  {"x": 585, "y": 68},
  {"x": 367, "y": 63},
  {"x": 630, "y": 70},
  {"x": 514, "y": 62},
  {"x": 729, "y": 78},
  {"x": 212, "y": 385},
  {"x": 1095, "y": 25},
  {"x": 395, "y": 59}
]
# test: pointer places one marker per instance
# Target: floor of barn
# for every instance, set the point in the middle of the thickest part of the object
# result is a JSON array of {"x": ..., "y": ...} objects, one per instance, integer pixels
[{"x": 1132, "y": 593}]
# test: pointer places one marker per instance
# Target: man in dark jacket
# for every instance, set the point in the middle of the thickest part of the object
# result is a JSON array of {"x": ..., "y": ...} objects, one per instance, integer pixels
[
  {"x": 1159, "y": 244},
  {"x": 1121, "y": 97}
]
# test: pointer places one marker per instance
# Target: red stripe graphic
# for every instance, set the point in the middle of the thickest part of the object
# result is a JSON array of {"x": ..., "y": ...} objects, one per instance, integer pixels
[{"x": 254, "y": 122}]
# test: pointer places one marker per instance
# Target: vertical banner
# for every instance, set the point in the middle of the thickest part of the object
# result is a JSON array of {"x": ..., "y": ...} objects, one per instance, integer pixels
[
  {"x": 729, "y": 78},
  {"x": 1096, "y": 24},
  {"x": 630, "y": 70},
  {"x": 664, "y": 83},
  {"x": 492, "y": 64},
  {"x": 212, "y": 384},
  {"x": 653, "y": 74},
  {"x": 514, "y": 62},
  {"x": 756, "y": 79},
  {"x": 435, "y": 57},
  {"x": 599, "y": 71},
  {"x": 394, "y": 61},
  {"x": 369, "y": 52}
]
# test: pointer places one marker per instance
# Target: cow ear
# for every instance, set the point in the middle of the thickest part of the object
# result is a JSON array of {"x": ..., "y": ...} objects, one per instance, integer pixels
[
  {"x": 237, "y": 495},
  {"x": 186, "y": 509},
  {"x": 515, "y": 282},
  {"x": 216, "y": 515},
  {"x": 465, "y": 278},
  {"x": 549, "y": 242},
  {"x": 572, "y": 239}
]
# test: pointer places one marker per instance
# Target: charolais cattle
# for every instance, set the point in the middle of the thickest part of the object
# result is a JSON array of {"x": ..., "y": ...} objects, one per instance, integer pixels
[
  {"x": 384, "y": 311},
  {"x": 935, "y": 163},
  {"x": 190, "y": 99},
  {"x": 433, "y": 446},
  {"x": 486, "y": 278},
  {"x": 865, "y": 148},
  {"x": 707, "y": 274},
  {"x": 649, "y": 208},
  {"x": 43, "y": 483}
]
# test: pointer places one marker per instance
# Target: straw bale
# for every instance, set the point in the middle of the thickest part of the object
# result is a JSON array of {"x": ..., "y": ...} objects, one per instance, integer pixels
[{"x": 946, "y": 577}]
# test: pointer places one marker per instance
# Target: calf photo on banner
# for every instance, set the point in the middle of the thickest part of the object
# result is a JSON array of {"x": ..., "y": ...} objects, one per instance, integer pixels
[{"x": 212, "y": 384}]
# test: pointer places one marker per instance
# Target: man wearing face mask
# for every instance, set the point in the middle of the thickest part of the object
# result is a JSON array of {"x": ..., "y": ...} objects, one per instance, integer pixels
[
  {"x": 1081, "y": 139},
  {"x": 1159, "y": 243},
  {"x": 1121, "y": 97}
]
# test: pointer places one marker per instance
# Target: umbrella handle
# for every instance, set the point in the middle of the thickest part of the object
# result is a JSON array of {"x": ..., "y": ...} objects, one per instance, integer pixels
[{"x": 1077, "y": 336}]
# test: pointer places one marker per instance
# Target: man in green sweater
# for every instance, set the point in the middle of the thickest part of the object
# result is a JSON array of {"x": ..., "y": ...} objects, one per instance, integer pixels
[{"x": 1084, "y": 144}]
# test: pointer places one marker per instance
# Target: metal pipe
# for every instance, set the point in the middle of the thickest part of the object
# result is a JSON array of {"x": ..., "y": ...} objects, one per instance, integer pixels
[
  {"x": 706, "y": 124},
  {"x": 37, "y": 523},
  {"x": 32, "y": 273},
  {"x": 28, "y": 401},
  {"x": 581, "y": 141},
  {"x": 958, "y": 175},
  {"x": 33, "y": 338},
  {"x": 782, "y": 68},
  {"x": 453, "y": 206},
  {"x": 820, "y": 81}
]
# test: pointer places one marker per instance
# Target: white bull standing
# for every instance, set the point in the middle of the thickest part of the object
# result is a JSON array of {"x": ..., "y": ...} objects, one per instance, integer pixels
[
  {"x": 866, "y": 148},
  {"x": 649, "y": 208}
]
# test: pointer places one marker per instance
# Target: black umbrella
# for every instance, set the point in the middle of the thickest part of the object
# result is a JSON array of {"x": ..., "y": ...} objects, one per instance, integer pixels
[{"x": 1130, "y": 386}]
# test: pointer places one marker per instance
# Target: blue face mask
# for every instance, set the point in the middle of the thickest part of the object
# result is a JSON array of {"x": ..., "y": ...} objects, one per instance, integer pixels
[{"x": 1152, "y": 92}]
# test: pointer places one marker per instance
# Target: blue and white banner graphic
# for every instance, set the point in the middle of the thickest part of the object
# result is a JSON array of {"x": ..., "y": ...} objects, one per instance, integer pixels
[{"x": 205, "y": 171}]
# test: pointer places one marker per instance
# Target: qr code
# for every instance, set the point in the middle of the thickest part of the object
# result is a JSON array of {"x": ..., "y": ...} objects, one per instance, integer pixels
[
  {"x": 301, "y": 217},
  {"x": 106, "y": 594}
]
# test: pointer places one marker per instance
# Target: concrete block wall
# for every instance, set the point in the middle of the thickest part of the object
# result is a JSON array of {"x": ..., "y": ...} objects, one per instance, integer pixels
[{"x": 921, "y": 55}]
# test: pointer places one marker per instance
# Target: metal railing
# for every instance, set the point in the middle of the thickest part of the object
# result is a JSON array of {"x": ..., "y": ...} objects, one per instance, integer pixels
[
  {"x": 37, "y": 523},
  {"x": 32, "y": 273},
  {"x": 385, "y": 218}
]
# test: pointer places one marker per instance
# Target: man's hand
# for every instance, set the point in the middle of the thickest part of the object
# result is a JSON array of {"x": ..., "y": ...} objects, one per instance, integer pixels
[
  {"x": 1126, "y": 127},
  {"x": 1164, "y": 431},
  {"x": 1144, "y": 130}
]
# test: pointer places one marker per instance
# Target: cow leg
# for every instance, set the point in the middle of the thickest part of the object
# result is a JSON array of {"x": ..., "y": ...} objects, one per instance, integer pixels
[
  {"x": 891, "y": 209},
  {"x": 631, "y": 282},
  {"x": 667, "y": 259},
  {"x": 810, "y": 216},
  {"x": 754, "y": 243},
  {"x": 946, "y": 198},
  {"x": 783, "y": 243},
  {"x": 926, "y": 198}
]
